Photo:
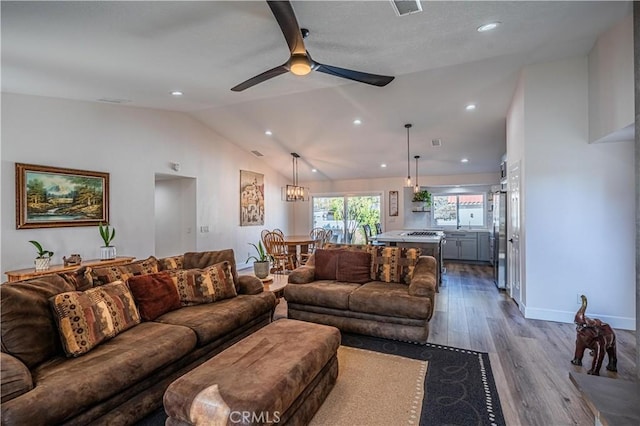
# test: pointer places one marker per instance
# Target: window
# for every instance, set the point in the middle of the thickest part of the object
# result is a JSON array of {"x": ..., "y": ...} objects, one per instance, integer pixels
[
  {"x": 461, "y": 211},
  {"x": 345, "y": 215}
]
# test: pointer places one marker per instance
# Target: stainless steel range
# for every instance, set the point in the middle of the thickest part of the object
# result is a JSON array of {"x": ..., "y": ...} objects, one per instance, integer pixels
[{"x": 423, "y": 233}]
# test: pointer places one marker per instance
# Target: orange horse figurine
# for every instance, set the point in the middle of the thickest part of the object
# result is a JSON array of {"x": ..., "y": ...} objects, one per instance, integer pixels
[{"x": 595, "y": 335}]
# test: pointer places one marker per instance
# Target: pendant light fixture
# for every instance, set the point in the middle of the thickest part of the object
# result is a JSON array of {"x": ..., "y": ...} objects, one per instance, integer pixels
[
  {"x": 408, "y": 126},
  {"x": 416, "y": 188},
  {"x": 295, "y": 192}
]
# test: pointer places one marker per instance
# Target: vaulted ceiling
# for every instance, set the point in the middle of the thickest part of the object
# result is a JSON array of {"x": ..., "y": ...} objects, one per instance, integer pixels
[{"x": 138, "y": 52}]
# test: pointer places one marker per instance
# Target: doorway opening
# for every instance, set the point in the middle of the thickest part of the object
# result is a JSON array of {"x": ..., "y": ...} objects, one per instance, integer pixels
[{"x": 175, "y": 215}]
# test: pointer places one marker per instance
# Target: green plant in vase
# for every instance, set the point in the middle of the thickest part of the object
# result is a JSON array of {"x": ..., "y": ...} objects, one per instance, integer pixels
[
  {"x": 43, "y": 259},
  {"x": 422, "y": 197},
  {"x": 107, "y": 234},
  {"x": 262, "y": 261}
]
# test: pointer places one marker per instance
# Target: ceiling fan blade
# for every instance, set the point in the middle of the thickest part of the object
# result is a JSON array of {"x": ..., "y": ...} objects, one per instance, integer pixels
[
  {"x": 283, "y": 12},
  {"x": 362, "y": 77},
  {"x": 273, "y": 72}
]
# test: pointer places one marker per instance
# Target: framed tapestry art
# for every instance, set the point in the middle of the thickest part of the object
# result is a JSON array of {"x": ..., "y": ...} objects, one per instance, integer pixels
[
  {"x": 251, "y": 198},
  {"x": 51, "y": 197}
]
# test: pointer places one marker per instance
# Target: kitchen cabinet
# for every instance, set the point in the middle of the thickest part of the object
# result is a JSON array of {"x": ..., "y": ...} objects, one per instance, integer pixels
[{"x": 461, "y": 245}]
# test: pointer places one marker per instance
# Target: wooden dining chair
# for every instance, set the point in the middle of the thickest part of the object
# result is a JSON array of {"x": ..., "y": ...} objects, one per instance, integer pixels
[
  {"x": 279, "y": 232},
  {"x": 277, "y": 249},
  {"x": 328, "y": 234},
  {"x": 318, "y": 236},
  {"x": 262, "y": 234}
]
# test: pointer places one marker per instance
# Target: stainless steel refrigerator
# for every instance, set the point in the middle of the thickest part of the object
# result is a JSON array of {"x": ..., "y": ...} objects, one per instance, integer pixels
[{"x": 500, "y": 239}]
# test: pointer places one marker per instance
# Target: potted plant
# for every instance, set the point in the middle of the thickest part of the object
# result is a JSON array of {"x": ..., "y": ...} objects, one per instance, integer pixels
[
  {"x": 44, "y": 257},
  {"x": 108, "y": 234},
  {"x": 422, "y": 199},
  {"x": 261, "y": 261}
]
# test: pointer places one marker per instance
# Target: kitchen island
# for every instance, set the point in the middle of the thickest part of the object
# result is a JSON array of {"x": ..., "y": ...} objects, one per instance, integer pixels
[{"x": 429, "y": 242}]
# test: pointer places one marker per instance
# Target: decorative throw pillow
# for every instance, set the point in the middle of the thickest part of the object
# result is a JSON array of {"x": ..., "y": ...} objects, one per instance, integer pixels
[
  {"x": 109, "y": 274},
  {"x": 197, "y": 286},
  {"x": 353, "y": 266},
  {"x": 155, "y": 294},
  {"x": 394, "y": 264},
  {"x": 326, "y": 264},
  {"x": 81, "y": 278},
  {"x": 171, "y": 263},
  {"x": 88, "y": 318}
]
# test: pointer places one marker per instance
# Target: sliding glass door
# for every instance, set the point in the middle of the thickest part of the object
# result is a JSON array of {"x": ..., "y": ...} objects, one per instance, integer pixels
[{"x": 345, "y": 215}]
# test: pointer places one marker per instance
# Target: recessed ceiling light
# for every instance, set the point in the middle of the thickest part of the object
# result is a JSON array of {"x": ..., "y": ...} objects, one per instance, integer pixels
[
  {"x": 383, "y": 165},
  {"x": 268, "y": 132},
  {"x": 177, "y": 93},
  {"x": 488, "y": 27},
  {"x": 357, "y": 121},
  {"x": 464, "y": 160},
  {"x": 314, "y": 170},
  {"x": 470, "y": 107}
]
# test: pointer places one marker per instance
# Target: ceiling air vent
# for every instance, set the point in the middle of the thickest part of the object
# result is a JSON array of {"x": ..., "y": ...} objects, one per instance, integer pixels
[
  {"x": 114, "y": 100},
  {"x": 406, "y": 7},
  {"x": 436, "y": 142},
  {"x": 257, "y": 153}
]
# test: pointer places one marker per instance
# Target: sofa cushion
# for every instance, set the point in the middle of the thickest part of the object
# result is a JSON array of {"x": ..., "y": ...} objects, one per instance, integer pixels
[
  {"x": 353, "y": 266},
  {"x": 326, "y": 264},
  {"x": 196, "y": 286},
  {"x": 15, "y": 377},
  {"x": 81, "y": 278},
  {"x": 214, "y": 320},
  {"x": 321, "y": 293},
  {"x": 394, "y": 264},
  {"x": 67, "y": 387},
  {"x": 88, "y": 318},
  {"x": 28, "y": 329},
  {"x": 109, "y": 274},
  {"x": 200, "y": 260},
  {"x": 390, "y": 299},
  {"x": 155, "y": 294},
  {"x": 170, "y": 263}
]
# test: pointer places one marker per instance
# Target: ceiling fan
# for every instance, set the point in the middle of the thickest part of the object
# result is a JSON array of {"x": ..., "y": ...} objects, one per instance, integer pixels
[{"x": 300, "y": 62}]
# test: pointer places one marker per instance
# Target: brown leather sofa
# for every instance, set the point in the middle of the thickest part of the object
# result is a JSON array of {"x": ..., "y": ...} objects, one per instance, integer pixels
[
  {"x": 390, "y": 293},
  {"x": 123, "y": 379}
]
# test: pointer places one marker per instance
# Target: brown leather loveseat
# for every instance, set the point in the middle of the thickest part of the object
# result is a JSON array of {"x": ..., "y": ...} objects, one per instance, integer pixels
[{"x": 386, "y": 292}]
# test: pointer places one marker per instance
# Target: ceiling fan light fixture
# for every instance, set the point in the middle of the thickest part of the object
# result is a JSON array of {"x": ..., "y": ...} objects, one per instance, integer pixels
[{"x": 299, "y": 65}]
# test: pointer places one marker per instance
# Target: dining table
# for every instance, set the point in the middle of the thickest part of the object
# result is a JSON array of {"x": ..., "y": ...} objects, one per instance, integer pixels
[{"x": 299, "y": 244}]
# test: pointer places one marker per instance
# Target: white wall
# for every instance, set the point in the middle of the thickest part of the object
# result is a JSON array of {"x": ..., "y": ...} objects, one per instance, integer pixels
[
  {"x": 382, "y": 185},
  {"x": 611, "y": 99},
  {"x": 578, "y": 204},
  {"x": 133, "y": 145}
]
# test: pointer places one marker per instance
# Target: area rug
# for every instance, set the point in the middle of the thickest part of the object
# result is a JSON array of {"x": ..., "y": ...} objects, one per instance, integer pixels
[
  {"x": 374, "y": 388},
  {"x": 459, "y": 389}
]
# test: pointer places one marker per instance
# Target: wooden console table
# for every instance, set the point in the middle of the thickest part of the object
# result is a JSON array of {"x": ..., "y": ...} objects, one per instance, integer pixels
[{"x": 24, "y": 274}]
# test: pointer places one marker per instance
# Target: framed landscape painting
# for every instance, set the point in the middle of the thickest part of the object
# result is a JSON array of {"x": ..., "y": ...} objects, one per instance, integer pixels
[
  {"x": 49, "y": 197},
  {"x": 251, "y": 198}
]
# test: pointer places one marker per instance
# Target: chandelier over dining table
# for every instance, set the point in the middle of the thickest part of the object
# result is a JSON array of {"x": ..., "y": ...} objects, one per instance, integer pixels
[{"x": 295, "y": 192}]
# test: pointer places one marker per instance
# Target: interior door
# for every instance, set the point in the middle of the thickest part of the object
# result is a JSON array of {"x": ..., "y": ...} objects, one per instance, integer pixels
[{"x": 516, "y": 289}]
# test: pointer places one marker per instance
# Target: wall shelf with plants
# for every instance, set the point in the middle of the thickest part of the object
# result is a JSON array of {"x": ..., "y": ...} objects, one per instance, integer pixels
[{"x": 421, "y": 202}]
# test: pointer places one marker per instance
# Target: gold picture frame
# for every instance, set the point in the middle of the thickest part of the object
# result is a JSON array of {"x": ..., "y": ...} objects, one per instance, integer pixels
[{"x": 53, "y": 197}]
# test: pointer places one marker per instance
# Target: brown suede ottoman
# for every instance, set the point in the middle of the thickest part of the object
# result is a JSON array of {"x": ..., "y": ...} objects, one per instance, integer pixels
[{"x": 280, "y": 374}]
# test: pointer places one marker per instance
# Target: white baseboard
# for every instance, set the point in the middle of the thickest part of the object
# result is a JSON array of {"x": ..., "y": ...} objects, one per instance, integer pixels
[{"x": 623, "y": 323}]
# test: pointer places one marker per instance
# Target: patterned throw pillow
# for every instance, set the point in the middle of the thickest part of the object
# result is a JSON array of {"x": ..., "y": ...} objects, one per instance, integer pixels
[
  {"x": 88, "y": 318},
  {"x": 171, "y": 263},
  {"x": 197, "y": 286},
  {"x": 109, "y": 274},
  {"x": 394, "y": 264},
  {"x": 155, "y": 294}
]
